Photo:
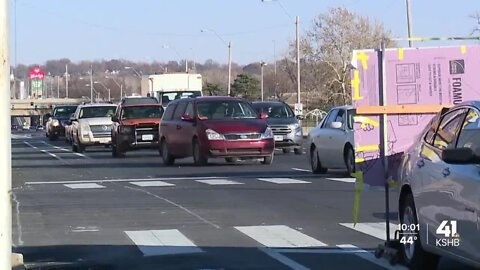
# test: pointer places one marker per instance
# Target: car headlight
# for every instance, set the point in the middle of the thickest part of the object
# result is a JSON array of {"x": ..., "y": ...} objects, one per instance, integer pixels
[
  {"x": 295, "y": 126},
  {"x": 212, "y": 135},
  {"x": 268, "y": 134},
  {"x": 126, "y": 129},
  {"x": 55, "y": 123},
  {"x": 85, "y": 127}
]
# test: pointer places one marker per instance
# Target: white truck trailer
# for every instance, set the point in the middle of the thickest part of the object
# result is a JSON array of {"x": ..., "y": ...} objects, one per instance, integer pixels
[{"x": 168, "y": 87}]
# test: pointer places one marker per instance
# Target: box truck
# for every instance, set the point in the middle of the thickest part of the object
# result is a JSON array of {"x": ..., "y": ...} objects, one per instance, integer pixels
[{"x": 168, "y": 87}]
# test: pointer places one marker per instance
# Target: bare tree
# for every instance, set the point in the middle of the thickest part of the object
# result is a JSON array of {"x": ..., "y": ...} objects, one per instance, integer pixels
[
  {"x": 476, "y": 17},
  {"x": 327, "y": 51}
]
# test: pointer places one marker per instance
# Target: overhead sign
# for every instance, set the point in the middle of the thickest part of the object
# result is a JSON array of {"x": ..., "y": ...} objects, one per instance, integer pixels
[{"x": 36, "y": 74}]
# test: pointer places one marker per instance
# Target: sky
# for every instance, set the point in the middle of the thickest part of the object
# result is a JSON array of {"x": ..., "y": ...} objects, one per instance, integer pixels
[{"x": 161, "y": 30}]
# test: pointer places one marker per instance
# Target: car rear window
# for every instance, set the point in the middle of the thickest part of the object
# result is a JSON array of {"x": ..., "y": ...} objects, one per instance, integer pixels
[{"x": 169, "y": 112}]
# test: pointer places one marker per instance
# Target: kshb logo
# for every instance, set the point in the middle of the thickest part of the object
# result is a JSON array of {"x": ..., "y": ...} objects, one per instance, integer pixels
[{"x": 448, "y": 229}]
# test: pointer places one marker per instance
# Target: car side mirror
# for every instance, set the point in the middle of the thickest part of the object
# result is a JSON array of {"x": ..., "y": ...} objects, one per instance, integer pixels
[
  {"x": 187, "y": 118},
  {"x": 263, "y": 116},
  {"x": 336, "y": 125},
  {"x": 462, "y": 155},
  {"x": 114, "y": 118},
  {"x": 300, "y": 117}
]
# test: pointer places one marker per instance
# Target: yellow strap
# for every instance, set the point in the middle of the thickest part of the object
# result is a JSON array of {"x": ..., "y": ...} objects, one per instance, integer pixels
[
  {"x": 400, "y": 53},
  {"x": 358, "y": 190}
]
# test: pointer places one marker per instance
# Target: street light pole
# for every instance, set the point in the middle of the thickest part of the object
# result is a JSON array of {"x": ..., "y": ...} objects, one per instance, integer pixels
[
  {"x": 5, "y": 144},
  {"x": 297, "y": 24},
  {"x": 91, "y": 83},
  {"x": 409, "y": 22},
  {"x": 58, "y": 86},
  {"x": 66, "y": 80},
  {"x": 229, "y": 68},
  {"x": 118, "y": 84},
  {"x": 275, "y": 68}
]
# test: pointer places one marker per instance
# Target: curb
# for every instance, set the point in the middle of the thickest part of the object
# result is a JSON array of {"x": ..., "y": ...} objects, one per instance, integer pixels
[{"x": 17, "y": 261}]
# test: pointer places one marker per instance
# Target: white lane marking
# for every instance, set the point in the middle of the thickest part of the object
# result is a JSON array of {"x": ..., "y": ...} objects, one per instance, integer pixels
[
  {"x": 19, "y": 223},
  {"x": 86, "y": 229},
  {"x": 284, "y": 259},
  {"x": 214, "y": 182},
  {"x": 152, "y": 184},
  {"x": 369, "y": 256},
  {"x": 301, "y": 170},
  {"x": 65, "y": 150},
  {"x": 177, "y": 205},
  {"x": 31, "y": 145},
  {"x": 282, "y": 181},
  {"x": 116, "y": 180},
  {"x": 162, "y": 242},
  {"x": 327, "y": 250},
  {"x": 18, "y": 136},
  {"x": 375, "y": 229},
  {"x": 345, "y": 180},
  {"x": 51, "y": 154},
  {"x": 84, "y": 186},
  {"x": 279, "y": 236}
]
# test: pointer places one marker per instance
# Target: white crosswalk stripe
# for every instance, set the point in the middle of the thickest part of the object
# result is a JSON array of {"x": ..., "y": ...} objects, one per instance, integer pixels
[
  {"x": 279, "y": 236},
  {"x": 214, "y": 182},
  {"x": 162, "y": 242},
  {"x": 152, "y": 184},
  {"x": 84, "y": 186},
  {"x": 345, "y": 180},
  {"x": 283, "y": 181},
  {"x": 375, "y": 229}
]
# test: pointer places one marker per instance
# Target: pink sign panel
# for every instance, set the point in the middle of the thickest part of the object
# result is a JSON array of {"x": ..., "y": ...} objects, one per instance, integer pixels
[
  {"x": 36, "y": 74},
  {"x": 414, "y": 76}
]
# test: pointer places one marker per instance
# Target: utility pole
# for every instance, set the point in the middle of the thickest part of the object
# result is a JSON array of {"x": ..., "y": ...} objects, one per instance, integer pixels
[
  {"x": 121, "y": 91},
  {"x": 5, "y": 137},
  {"x": 58, "y": 86},
  {"x": 297, "y": 24},
  {"x": 409, "y": 22},
  {"x": 229, "y": 67},
  {"x": 66, "y": 80},
  {"x": 262, "y": 65},
  {"x": 91, "y": 84},
  {"x": 275, "y": 68}
]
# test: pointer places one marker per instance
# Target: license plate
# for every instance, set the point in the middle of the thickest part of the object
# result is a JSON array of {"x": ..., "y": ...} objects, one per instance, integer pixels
[
  {"x": 278, "y": 138},
  {"x": 148, "y": 137}
]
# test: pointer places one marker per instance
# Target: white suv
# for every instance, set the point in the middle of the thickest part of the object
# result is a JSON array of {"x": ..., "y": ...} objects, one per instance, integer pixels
[{"x": 91, "y": 125}]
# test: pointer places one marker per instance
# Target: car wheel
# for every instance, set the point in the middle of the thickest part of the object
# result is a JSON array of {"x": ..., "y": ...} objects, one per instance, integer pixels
[
  {"x": 298, "y": 151},
  {"x": 117, "y": 151},
  {"x": 349, "y": 160},
  {"x": 268, "y": 159},
  {"x": 80, "y": 146},
  {"x": 231, "y": 160},
  {"x": 413, "y": 254},
  {"x": 52, "y": 137},
  {"x": 198, "y": 158},
  {"x": 286, "y": 151},
  {"x": 167, "y": 158},
  {"x": 315, "y": 162},
  {"x": 74, "y": 146}
]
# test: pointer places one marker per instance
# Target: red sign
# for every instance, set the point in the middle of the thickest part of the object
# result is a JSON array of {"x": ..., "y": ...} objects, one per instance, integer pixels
[{"x": 36, "y": 73}]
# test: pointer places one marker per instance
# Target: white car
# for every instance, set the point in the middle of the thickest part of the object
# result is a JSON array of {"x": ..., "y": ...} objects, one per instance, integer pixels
[
  {"x": 331, "y": 144},
  {"x": 91, "y": 125}
]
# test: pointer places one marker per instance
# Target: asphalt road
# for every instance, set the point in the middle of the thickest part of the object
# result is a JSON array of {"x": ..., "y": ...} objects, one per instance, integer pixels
[{"x": 91, "y": 211}]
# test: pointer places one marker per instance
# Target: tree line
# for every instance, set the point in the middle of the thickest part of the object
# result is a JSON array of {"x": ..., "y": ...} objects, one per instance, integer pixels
[{"x": 326, "y": 50}]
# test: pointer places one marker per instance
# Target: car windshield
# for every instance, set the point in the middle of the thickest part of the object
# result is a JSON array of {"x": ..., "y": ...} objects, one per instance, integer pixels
[
  {"x": 274, "y": 110},
  {"x": 142, "y": 112},
  {"x": 97, "y": 111},
  {"x": 167, "y": 97},
  {"x": 63, "y": 112},
  {"x": 219, "y": 110}
]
